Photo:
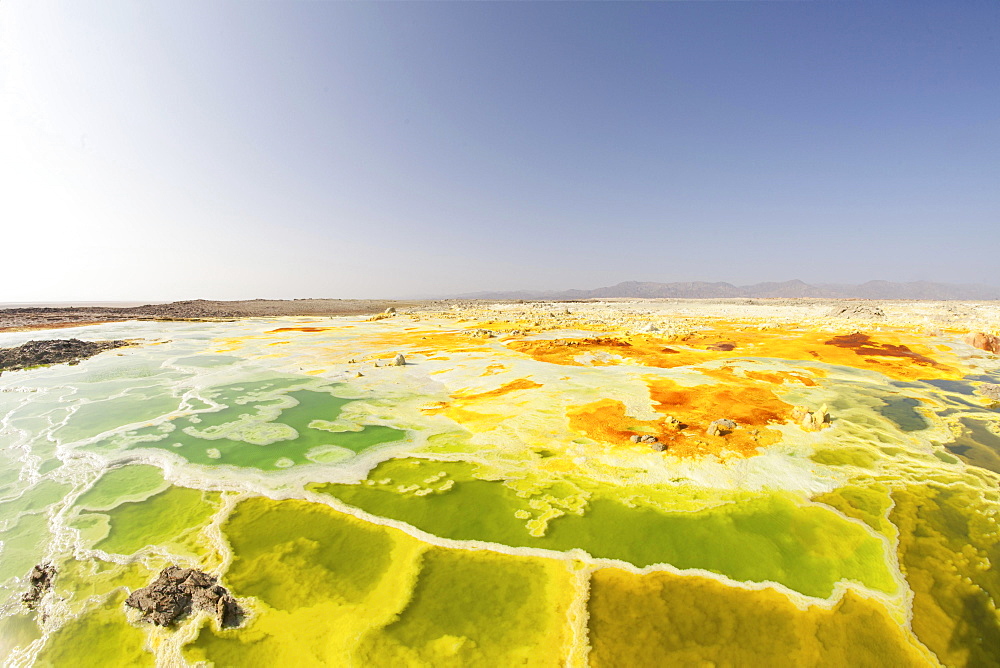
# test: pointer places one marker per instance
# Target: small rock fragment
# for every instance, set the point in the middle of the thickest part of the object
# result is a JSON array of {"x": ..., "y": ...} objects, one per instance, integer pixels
[
  {"x": 811, "y": 420},
  {"x": 857, "y": 312},
  {"x": 40, "y": 582},
  {"x": 989, "y": 390},
  {"x": 635, "y": 438},
  {"x": 390, "y": 311},
  {"x": 399, "y": 360},
  {"x": 720, "y": 427},
  {"x": 659, "y": 447}
]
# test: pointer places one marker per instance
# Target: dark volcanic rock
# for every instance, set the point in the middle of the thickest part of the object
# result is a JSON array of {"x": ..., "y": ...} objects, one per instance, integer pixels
[
  {"x": 178, "y": 591},
  {"x": 54, "y": 351},
  {"x": 857, "y": 312},
  {"x": 40, "y": 582}
]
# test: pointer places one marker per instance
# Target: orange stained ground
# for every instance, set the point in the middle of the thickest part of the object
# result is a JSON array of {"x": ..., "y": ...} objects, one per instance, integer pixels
[
  {"x": 887, "y": 354},
  {"x": 728, "y": 373},
  {"x": 507, "y": 388},
  {"x": 299, "y": 329},
  {"x": 753, "y": 408},
  {"x": 426, "y": 342}
]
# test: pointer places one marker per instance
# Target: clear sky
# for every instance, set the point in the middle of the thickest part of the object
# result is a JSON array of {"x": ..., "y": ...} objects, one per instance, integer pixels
[{"x": 225, "y": 150}]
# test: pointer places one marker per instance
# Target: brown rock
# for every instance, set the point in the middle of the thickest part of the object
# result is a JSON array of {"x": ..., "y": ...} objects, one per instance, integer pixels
[
  {"x": 984, "y": 341},
  {"x": 720, "y": 427},
  {"x": 672, "y": 422},
  {"x": 40, "y": 582},
  {"x": 178, "y": 591}
]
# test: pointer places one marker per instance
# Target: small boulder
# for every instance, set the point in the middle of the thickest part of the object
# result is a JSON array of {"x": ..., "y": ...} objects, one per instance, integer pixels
[
  {"x": 399, "y": 360},
  {"x": 984, "y": 341},
  {"x": 178, "y": 591},
  {"x": 390, "y": 311},
  {"x": 720, "y": 427},
  {"x": 659, "y": 447},
  {"x": 811, "y": 420},
  {"x": 635, "y": 438}
]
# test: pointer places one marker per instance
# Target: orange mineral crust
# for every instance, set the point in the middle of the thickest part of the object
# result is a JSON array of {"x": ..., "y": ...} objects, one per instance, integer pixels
[
  {"x": 662, "y": 619},
  {"x": 298, "y": 329},
  {"x": 428, "y": 341},
  {"x": 885, "y": 352},
  {"x": 513, "y": 386},
  {"x": 728, "y": 373},
  {"x": 752, "y": 408}
]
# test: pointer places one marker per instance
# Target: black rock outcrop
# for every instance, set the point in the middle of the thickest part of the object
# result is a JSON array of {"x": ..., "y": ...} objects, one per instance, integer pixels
[
  {"x": 178, "y": 591},
  {"x": 40, "y": 582},
  {"x": 53, "y": 351}
]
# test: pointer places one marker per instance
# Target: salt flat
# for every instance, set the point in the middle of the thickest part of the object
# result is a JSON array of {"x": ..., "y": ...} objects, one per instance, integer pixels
[{"x": 628, "y": 482}]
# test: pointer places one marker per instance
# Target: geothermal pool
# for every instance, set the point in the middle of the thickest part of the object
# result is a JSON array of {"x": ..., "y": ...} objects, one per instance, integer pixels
[{"x": 486, "y": 504}]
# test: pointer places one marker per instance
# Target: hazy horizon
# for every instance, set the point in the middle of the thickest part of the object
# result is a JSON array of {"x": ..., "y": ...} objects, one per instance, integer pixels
[
  {"x": 226, "y": 150},
  {"x": 479, "y": 294}
]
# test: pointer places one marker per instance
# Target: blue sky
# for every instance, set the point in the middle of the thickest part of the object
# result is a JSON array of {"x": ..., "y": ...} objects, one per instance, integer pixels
[{"x": 235, "y": 150}]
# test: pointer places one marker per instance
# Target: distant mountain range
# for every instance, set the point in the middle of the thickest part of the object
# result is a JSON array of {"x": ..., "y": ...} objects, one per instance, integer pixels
[{"x": 787, "y": 290}]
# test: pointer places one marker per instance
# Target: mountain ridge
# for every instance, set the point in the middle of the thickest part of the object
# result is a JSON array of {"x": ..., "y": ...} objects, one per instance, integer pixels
[{"x": 876, "y": 289}]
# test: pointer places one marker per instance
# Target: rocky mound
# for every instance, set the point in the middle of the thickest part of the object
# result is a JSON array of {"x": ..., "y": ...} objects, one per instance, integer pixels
[
  {"x": 984, "y": 341},
  {"x": 178, "y": 591},
  {"x": 54, "y": 351}
]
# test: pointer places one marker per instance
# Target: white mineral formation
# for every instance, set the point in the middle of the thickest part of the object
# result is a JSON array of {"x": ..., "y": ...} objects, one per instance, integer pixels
[{"x": 811, "y": 420}]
